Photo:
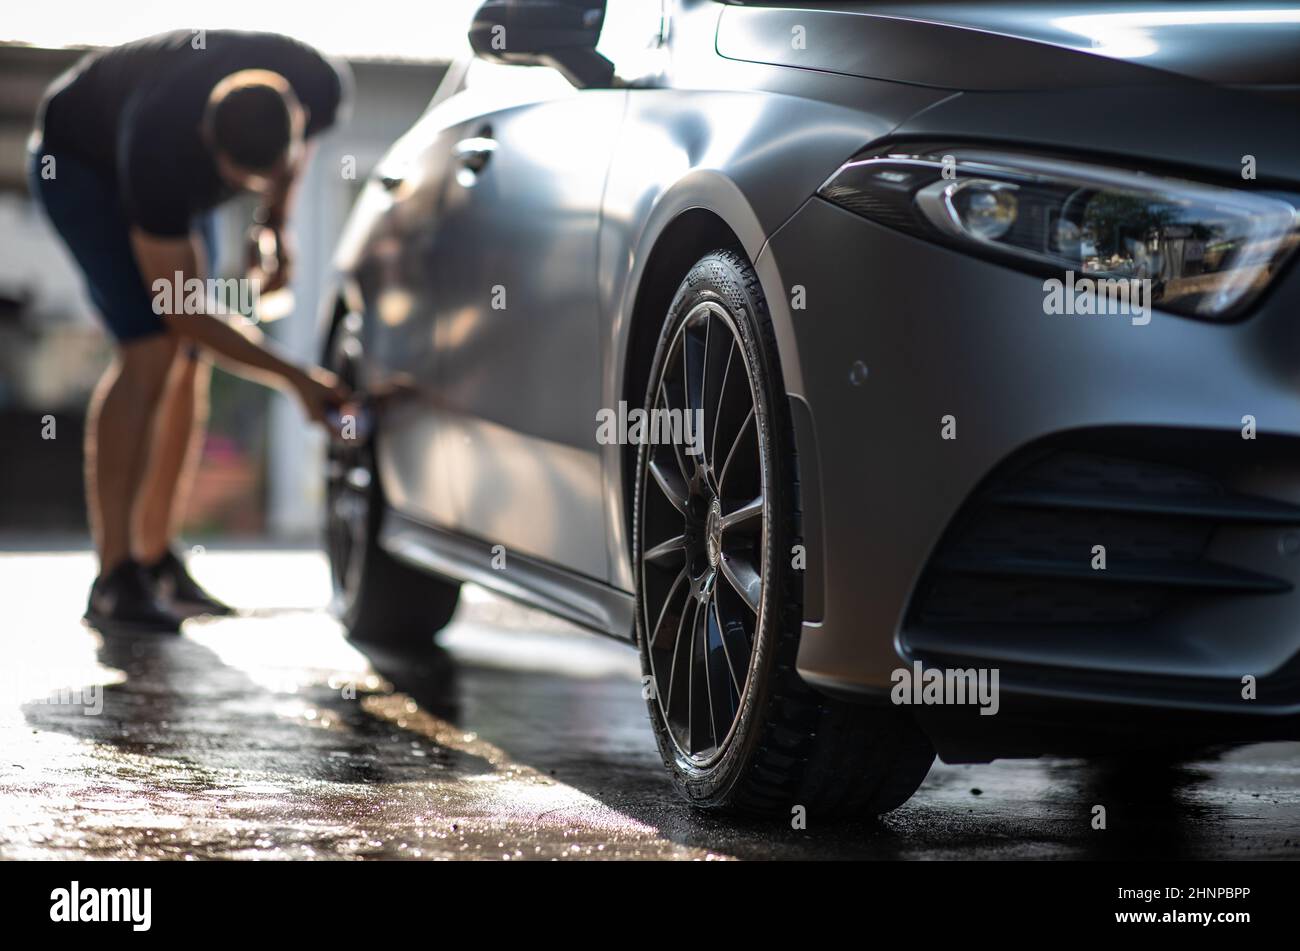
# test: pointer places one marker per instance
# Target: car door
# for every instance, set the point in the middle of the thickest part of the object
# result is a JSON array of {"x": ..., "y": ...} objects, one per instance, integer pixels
[{"x": 517, "y": 382}]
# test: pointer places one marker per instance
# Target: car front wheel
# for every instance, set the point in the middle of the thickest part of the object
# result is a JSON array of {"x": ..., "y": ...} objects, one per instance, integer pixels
[{"x": 719, "y": 599}]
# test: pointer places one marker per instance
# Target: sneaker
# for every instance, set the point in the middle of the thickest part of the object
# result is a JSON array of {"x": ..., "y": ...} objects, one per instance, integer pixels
[
  {"x": 181, "y": 592},
  {"x": 124, "y": 602}
]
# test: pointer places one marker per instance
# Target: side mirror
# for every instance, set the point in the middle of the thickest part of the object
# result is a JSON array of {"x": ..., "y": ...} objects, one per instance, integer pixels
[{"x": 558, "y": 33}]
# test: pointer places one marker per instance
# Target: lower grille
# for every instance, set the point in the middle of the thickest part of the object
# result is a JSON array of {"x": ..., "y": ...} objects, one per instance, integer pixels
[{"x": 1022, "y": 549}]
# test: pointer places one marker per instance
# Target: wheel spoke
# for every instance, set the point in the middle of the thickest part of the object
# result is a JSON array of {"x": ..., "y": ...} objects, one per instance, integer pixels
[
  {"x": 700, "y": 458},
  {"x": 744, "y": 427},
  {"x": 700, "y": 643},
  {"x": 731, "y": 665},
  {"x": 690, "y": 347},
  {"x": 663, "y": 612},
  {"x": 717, "y": 410},
  {"x": 723, "y": 686},
  {"x": 673, "y": 550},
  {"x": 690, "y": 681},
  {"x": 693, "y": 399},
  {"x": 745, "y": 516},
  {"x": 687, "y": 470},
  {"x": 743, "y": 578},
  {"x": 670, "y": 484},
  {"x": 704, "y": 360},
  {"x": 673, "y": 669}
]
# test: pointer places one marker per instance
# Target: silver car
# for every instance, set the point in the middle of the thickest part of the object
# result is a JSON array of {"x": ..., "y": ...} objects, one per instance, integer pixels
[{"x": 895, "y": 377}]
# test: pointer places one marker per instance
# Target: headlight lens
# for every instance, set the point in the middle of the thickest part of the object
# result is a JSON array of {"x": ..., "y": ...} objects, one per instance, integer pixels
[
  {"x": 982, "y": 208},
  {"x": 1207, "y": 251}
]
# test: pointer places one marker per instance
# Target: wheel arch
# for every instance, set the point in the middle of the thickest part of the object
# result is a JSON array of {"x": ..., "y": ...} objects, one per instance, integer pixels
[
  {"x": 703, "y": 212},
  {"x": 687, "y": 238}
]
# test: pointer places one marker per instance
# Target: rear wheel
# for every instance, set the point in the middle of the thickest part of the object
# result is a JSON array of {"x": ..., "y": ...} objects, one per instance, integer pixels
[
  {"x": 379, "y": 599},
  {"x": 719, "y": 602}
]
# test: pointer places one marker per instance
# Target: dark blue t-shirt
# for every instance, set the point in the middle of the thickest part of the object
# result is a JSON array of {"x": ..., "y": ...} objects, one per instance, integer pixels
[{"x": 134, "y": 111}]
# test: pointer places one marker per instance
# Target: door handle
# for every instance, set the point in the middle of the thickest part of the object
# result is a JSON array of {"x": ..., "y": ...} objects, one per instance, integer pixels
[{"x": 473, "y": 153}]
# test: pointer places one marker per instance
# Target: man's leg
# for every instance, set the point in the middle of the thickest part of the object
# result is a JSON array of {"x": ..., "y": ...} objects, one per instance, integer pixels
[
  {"x": 118, "y": 426},
  {"x": 178, "y": 434},
  {"x": 160, "y": 507}
]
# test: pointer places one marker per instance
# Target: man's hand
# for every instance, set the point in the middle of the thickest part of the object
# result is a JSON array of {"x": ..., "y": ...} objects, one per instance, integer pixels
[
  {"x": 165, "y": 260},
  {"x": 319, "y": 390},
  {"x": 269, "y": 257},
  {"x": 283, "y": 268}
]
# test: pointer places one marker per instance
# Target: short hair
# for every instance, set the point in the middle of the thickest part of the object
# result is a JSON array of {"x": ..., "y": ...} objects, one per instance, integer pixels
[{"x": 248, "y": 117}]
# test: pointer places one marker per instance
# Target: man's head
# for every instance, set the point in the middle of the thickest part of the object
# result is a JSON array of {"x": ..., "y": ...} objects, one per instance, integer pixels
[{"x": 253, "y": 124}]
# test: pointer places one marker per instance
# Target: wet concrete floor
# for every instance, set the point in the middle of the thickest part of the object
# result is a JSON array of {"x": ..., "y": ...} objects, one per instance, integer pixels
[{"x": 270, "y": 736}]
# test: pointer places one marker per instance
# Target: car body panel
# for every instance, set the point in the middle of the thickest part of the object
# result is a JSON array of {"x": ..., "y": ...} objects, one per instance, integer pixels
[
  {"x": 1159, "y": 127},
  {"x": 498, "y": 262},
  {"x": 518, "y": 299},
  {"x": 863, "y": 44},
  {"x": 924, "y": 365},
  {"x": 1223, "y": 43}
]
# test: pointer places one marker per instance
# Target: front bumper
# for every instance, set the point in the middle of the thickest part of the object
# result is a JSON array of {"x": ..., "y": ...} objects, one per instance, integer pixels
[{"x": 898, "y": 334}]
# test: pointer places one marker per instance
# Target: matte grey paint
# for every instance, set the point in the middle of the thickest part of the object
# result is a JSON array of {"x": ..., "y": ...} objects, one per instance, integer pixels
[
  {"x": 912, "y": 51},
  {"x": 976, "y": 344},
  {"x": 494, "y": 441}
]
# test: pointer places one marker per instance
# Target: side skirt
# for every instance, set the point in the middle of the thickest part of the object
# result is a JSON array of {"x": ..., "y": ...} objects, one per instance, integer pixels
[{"x": 581, "y": 600}]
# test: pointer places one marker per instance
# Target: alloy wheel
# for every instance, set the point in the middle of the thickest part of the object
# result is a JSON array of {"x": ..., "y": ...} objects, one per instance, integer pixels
[{"x": 703, "y": 534}]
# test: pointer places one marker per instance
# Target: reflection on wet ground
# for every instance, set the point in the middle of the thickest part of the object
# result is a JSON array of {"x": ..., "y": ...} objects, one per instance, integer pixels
[{"x": 269, "y": 736}]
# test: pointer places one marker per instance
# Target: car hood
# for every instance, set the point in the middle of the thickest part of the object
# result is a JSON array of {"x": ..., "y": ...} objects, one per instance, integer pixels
[{"x": 1245, "y": 45}]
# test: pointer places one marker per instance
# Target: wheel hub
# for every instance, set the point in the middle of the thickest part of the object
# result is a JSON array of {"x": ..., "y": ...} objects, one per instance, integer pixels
[
  {"x": 713, "y": 533},
  {"x": 702, "y": 530}
]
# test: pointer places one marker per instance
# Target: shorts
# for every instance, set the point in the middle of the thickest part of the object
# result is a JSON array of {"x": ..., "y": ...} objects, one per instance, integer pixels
[{"x": 82, "y": 203}]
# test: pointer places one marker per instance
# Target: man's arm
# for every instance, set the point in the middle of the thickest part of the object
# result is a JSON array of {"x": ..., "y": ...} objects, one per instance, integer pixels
[
  {"x": 162, "y": 259},
  {"x": 274, "y": 211},
  {"x": 273, "y": 214}
]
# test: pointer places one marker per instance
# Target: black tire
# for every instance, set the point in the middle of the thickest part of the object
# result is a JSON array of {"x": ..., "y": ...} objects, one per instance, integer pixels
[
  {"x": 786, "y": 745},
  {"x": 379, "y": 599}
]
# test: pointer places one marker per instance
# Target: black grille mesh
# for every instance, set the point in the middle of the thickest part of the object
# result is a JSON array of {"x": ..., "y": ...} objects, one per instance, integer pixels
[{"x": 1021, "y": 550}]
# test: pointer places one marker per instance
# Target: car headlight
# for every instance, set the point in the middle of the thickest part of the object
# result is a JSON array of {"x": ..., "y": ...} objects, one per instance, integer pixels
[{"x": 1207, "y": 251}]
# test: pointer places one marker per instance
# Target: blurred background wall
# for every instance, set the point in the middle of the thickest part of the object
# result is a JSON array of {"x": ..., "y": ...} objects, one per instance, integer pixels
[{"x": 260, "y": 468}]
